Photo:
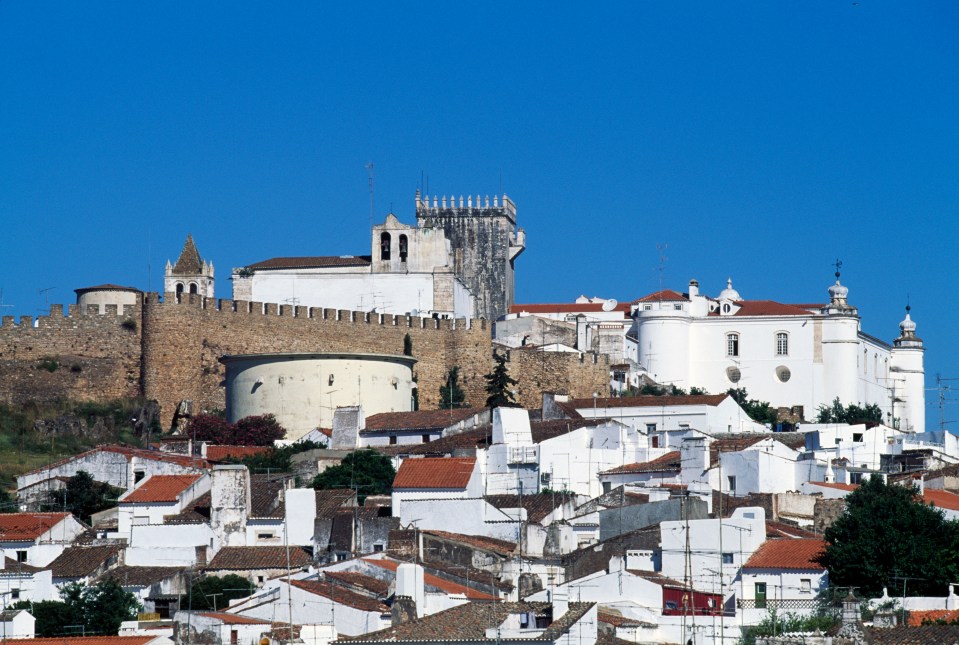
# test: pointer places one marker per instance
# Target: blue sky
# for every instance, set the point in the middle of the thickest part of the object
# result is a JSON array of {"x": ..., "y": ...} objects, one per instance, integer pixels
[{"x": 757, "y": 140}]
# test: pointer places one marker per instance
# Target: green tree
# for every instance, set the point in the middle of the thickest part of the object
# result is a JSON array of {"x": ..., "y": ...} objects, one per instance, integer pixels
[
  {"x": 451, "y": 394},
  {"x": 213, "y": 592},
  {"x": 758, "y": 411},
  {"x": 369, "y": 472},
  {"x": 277, "y": 460},
  {"x": 886, "y": 534},
  {"x": 8, "y": 504},
  {"x": 93, "y": 610},
  {"x": 852, "y": 414},
  {"x": 83, "y": 496},
  {"x": 499, "y": 384}
]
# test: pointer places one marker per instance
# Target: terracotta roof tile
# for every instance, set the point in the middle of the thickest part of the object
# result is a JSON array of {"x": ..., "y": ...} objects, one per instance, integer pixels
[
  {"x": 941, "y": 499},
  {"x": 130, "y": 453},
  {"x": 565, "y": 308},
  {"x": 160, "y": 488},
  {"x": 669, "y": 462},
  {"x": 837, "y": 486},
  {"x": 469, "y": 622},
  {"x": 545, "y": 430},
  {"x": 258, "y": 557},
  {"x": 925, "y": 635},
  {"x": 341, "y": 595},
  {"x": 767, "y": 308},
  {"x": 219, "y": 453},
  {"x": 480, "y": 437},
  {"x": 435, "y": 473},
  {"x": 737, "y": 442},
  {"x": 503, "y": 547},
  {"x": 795, "y": 554},
  {"x": 666, "y": 295},
  {"x": 189, "y": 261},
  {"x": 320, "y": 261},
  {"x": 12, "y": 566},
  {"x": 329, "y": 501},
  {"x": 129, "y": 576},
  {"x": 537, "y": 506},
  {"x": 21, "y": 527},
  {"x": 266, "y": 500},
  {"x": 196, "y": 511},
  {"x": 370, "y": 584},
  {"x": 917, "y": 617},
  {"x": 783, "y": 530},
  {"x": 234, "y": 619},
  {"x": 431, "y": 580},
  {"x": 419, "y": 419},
  {"x": 650, "y": 401},
  {"x": 81, "y": 561},
  {"x": 617, "y": 620}
]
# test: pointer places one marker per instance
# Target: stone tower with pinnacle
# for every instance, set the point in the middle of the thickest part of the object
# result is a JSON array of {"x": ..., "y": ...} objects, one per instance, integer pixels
[
  {"x": 190, "y": 274},
  {"x": 484, "y": 243}
]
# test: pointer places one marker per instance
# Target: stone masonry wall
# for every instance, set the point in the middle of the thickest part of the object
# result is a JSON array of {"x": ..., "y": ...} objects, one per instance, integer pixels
[
  {"x": 562, "y": 372},
  {"x": 82, "y": 355}
]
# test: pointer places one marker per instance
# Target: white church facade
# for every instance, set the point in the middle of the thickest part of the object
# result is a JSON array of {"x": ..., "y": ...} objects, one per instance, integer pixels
[{"x": 788, "y": 354}]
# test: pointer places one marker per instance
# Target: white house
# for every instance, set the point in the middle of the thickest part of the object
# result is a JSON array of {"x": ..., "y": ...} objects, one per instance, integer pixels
[
  {"x": 20, "y": 581},
  {"x": 435, "y": 478},
  {"x": 218, "y": 628},
  {"x": 37, "y": 538},
  {"x": 17, "y": 623},
  {"x": 782, "y": 575},
  {"x": 788, "y": 354}
]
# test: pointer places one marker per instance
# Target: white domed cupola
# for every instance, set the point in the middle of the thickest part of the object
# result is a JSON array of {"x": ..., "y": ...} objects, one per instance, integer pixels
[
  {"x": 729, "y": 293},
  {"x": 907, "y": 332},
  {"x": 838, "y": 293}
]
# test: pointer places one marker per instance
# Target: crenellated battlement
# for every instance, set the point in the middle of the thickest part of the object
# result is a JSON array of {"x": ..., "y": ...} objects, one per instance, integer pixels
[
  {"x": 449, "y": 206},
  {"x": 275, "y": 310},
  {"x": 75, "y": 315}
]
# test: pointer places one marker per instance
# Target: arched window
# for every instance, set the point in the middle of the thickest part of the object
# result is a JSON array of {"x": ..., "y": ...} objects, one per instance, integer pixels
[
  {"x": 193, "y": 288},
  {"x": 179, "y": 288},
  {"x": 782, "y": 344},
  {"x": 385, "y": 242},
  {"x": 404, "y": 248},
  {"x": 732, "y": 344}
]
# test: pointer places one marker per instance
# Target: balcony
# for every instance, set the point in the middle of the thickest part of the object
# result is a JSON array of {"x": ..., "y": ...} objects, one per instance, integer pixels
[
  {"x": 524, "y": 455},
  {"x": 799, "y": 603}
]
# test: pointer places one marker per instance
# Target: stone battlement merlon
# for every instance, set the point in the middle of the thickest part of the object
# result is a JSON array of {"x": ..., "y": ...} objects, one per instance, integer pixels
[
  {"x": 443, "y": 206},
  {"x": 56, "y": 317},
  {"x": 275, "y": 310}
]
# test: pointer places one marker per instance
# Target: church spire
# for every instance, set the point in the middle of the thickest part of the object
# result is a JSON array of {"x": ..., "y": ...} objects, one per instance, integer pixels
[{"x": 189, "y": 262}]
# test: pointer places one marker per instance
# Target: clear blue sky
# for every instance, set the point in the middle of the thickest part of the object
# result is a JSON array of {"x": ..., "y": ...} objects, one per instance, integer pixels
[{"x": 758, "y": 140}]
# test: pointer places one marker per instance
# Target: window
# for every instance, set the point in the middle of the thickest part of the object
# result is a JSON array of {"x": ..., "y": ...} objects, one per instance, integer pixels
[
  {"x": 21, "y": 556},
  {"x": 265, "y": 536},
  {"x": 647, "y": 307},
  {"x": 727, "y": 558},
  {"x": 377, "y": 548},
  {"x": 655, "y": 441},
  {"x": 15, "y": 594},
  {"x": 179, "y": 288},
  {"x": 805, "y": 585},
  {"x": 732, "y": 344},
  {"x": 650, "y": 427},
  {"x": 234, "y": 637},
  {"x": 678, "y": 307},
  {"x": 392, "y": 439},
  {"x": 733, "y": 374},
  {"x": 782, "y": 344},
  {"x": 857, "y": 437},
  {"x": 138, "y": 475},
  {"x": 404, "y": 248},
  {"x": 731, "y": 480},
  {"x": 760, "y": 595},
  {"x": 385, "y": 242},
  {"x": 607, "y": 486},
  {"x": 193, "y": 288},
  {"x": 783, "y": 373},
  {"x": 426, "y": 438}
]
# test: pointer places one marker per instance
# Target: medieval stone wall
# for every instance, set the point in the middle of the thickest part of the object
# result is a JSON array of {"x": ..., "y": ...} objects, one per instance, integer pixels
[
  {"x": 84, "y": 355},
  {"x": 168, "y": 350}
]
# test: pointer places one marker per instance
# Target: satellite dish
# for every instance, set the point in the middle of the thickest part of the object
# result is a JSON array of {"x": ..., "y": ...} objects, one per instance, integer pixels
[{"x": 610, "y": 304}]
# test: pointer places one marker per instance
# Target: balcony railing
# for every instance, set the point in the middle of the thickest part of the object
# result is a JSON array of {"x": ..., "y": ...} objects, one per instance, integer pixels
[
  {"x": 523, "y": 455},
  {"x": 798, "y": 603}
]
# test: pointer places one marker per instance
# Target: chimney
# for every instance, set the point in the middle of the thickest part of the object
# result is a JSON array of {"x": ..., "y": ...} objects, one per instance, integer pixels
[
  {"x": 560, "y": 603},
  {"x": 411, "y": 586},
  {"x": 851, "y": 627},
  {"x": 693, "y": 288},
  {"x": 639, "y": 560},
  {"x": 347, "y": 423},
  {"x": 229, "y": 505}
]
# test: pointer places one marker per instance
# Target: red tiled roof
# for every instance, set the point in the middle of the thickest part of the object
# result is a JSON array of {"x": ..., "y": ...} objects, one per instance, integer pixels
[
  {"x": 258, "y": 557},
  {"x": 503, "y": 547},
  {"x": 537, "y": 505},
  {"x": 312, "y": 262},
  {"x": 129, "y": 453},
  {"x": 616, "y": 620},
  {"x": 917, "y": 617},
  {"x": 82, "y": 640},
  {"x": 81, "y": 561},
  {"x": 737, "y": 442},
  {"x": 160, "y": 488},
  {"x": 234, "y": 619},
  {"x": 435, "y": 472},
  {"x": 795, "y": 554},
  {"x": 845, "y": 487},
  {"x": 360, "y": 581},
  {"x": 219, "y": 453},
  {"x": 419, "y": 419},
  {"x": 941, "y": 499},
  {"x": 776, "y": 529},
  {"x": 665, "y": 294},
  {"x": 566, "y": 308},
  {"x": 649, "y": 401},
  {"x": 19, "y": 527},
  {"x": 766, "y": 308},
  {"x": 341, "y": 595},
  {"x": 671, "y": 461},
  {"x": 435, "y": 581}
]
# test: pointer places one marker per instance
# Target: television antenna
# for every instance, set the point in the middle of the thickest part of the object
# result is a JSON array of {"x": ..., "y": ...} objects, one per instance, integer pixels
[
  {"x": 369, "y": 172},
  {"x": 1, "y": 302},
  {"x": 46, "y": 298},
  {"x": 661, "y": 249}
]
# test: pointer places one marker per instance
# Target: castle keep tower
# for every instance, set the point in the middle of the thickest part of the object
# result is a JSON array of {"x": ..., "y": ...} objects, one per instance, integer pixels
[
  {"x": 190, "y": 274},
  {"x": 484, "y": 242}
]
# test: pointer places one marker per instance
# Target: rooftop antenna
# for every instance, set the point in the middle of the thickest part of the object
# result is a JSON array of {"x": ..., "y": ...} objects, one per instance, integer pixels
[
  {"x": 46, "y": 298},
  {"x": 369, "y": 172},
  {"x": 1, "y": 302},
  {"x": 941, "y": 389},
  {"x": 661, "y": 249}
]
